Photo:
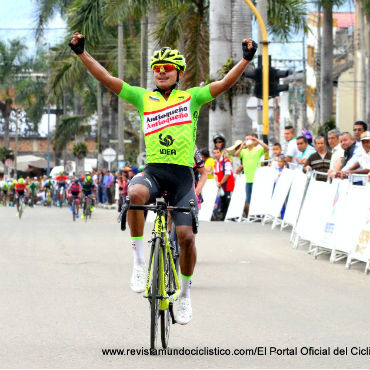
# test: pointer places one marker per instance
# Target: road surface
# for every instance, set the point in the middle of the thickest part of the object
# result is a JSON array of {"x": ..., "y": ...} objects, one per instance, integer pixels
[{"x": 64, "y": 296}]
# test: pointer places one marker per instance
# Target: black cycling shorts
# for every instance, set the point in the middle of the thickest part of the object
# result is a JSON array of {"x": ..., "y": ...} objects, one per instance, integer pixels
[{"x": 175, "y": 180}]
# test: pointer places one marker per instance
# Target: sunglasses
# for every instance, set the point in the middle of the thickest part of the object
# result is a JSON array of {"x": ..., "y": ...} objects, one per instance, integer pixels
[
  {"x": 218, "y": 141},
  {"x": 164, "y": 68}
]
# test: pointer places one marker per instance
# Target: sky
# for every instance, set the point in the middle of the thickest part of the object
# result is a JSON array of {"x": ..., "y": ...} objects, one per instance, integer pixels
[{"x": 17, "y": 20}]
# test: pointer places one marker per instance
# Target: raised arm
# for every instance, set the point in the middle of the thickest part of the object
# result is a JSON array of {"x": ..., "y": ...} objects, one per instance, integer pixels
[
  {"x": 218, "y": 87},
  {"x": 95, "y": 68}
]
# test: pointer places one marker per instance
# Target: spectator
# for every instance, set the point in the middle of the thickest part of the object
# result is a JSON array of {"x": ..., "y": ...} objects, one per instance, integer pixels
[
  {"x": 359, "y": 127},
  {"x": 292, "y": 149},
  {"x": 250, "y": 156},
  {"x": 337, "y": 153},
  {"x": 225, "y": 180},
  {"x": 131, "y": 173},
  {"x": 308, "y": 135},
  {"x": 277, "y": 153},
  {"x": 220, "y": 142},
  {"x": 362, "y": 166},
  {"x": 108, "y": 179},
  {"x": 101, "y": 189},
  {"x": 319, "y": 161},
  {"x": 122, "y": 181},
  {"x": 305, "y": 150},
  {"x": 350, "y": 157},
  {"x": 209, "y": 162},
  {"x": 281, "y": 164}
]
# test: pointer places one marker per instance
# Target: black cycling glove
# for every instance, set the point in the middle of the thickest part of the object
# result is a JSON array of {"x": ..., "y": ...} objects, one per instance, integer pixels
[
  {"x": 248, "y": 54},
  {"x": 79, "y": 47}
]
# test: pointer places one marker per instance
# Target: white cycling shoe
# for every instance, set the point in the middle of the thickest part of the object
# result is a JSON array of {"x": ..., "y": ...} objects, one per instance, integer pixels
[
  {"x": 138, "y": 278},
  {"x": 184, "y": 312}
]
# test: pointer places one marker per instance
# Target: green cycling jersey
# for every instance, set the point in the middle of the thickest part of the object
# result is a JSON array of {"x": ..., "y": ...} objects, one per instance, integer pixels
[{"x": 169, "y": 126}]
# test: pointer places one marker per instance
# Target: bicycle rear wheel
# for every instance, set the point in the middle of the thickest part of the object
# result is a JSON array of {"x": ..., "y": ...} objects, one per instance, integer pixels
[{"x": 154, "y": 303}]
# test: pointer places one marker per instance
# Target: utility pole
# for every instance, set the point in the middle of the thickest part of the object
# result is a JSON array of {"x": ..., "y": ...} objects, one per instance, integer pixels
[
  {"x": 262, "y": 6},
  {"x": 318, "y": 65},
  {"x": 144, "y": 66},
  {"x": 304, "y": 95},
  {"x": 100, "y": 114},
  {"x": 121, "y": 121}
]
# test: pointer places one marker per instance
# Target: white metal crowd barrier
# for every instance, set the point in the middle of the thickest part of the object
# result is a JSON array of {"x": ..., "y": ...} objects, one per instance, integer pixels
[{"x": 331, "y": 217}]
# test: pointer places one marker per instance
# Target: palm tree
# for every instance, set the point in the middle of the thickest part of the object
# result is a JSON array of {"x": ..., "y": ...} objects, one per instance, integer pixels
[
  {"x": 366, "y": 9},
  {"x": 219, "y": 53},
  {"x": 12, "y": 64},
  {"x": 241, "y": 28},
  {"x": 326, "y": 88}
]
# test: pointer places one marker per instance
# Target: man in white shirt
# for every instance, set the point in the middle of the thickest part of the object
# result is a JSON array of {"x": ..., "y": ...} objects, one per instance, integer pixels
[
  {"x": 362, "y": 165},
  {"x": 359, "y": 127},
  {"x": 292, "y": 149},
  {"x": 337, "y": 153}
]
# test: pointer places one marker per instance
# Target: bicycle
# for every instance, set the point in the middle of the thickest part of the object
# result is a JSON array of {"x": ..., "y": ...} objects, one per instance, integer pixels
[
  {"x": 87, "y": 207},
  {"x": 163, "y": 286},
  {"x": 21, "y": 206},
  {"x": 74, "y": 209}
]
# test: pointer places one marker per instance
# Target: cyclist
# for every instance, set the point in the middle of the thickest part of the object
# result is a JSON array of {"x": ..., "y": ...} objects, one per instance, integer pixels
[
  {"x": 4, "y": 192},
  {"x": 74, "y": 192},
  {"x": 33, "y": 188},
  {"x": 169, "y": 124},
  {"x": 20, "y": 190},
  {"x": 87, "y": 189},
  {"x": 61, "y": 180},
  {"x": 48, "y": 187},
  {"x": 12, "y": 192}
]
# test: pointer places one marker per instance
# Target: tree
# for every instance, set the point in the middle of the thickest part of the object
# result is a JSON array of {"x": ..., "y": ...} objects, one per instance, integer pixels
[
  {"x": 12, "y": 64},
  {"x": 326, "y": 88},
  {"x": 366, "y": 9}
]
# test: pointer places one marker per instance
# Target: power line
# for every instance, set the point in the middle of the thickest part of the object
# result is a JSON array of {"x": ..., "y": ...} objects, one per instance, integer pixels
[{"x": 32, "y": 29}]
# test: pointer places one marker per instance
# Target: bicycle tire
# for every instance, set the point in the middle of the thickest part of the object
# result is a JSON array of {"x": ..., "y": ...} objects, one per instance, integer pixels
[
  {"x": 165, "y": 315},
  {"x": 154, "y": 303},
  {"x": 20, "y": 208},
  {"x": 74, "y": 210}
]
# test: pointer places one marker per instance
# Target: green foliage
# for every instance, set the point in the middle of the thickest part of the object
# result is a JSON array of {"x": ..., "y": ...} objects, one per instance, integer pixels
[
  {"x": 326, "y": 126},
  {"x": 68, "y": 128},
  {"x": 187, "y": 22},
  {"x": 5, "y": 154},
  {"x": 80, "y": 150}
]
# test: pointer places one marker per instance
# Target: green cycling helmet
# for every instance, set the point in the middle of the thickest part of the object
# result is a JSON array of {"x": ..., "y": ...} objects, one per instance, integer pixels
[
  {"x": 167, "y": 55},
  {"x": 88, "y": 178},
  {"x": 21, "y": 181}
]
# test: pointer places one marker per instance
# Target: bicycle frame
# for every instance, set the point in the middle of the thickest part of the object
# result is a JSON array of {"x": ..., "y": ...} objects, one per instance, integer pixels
[{"x": 160, "y": 231}]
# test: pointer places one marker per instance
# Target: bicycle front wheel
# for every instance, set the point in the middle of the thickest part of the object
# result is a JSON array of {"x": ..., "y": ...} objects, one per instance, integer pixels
[
  {"x": 165, "y": 314},
  {"x": 154, "y": 304},
  {"x": 74, "y": 211}
]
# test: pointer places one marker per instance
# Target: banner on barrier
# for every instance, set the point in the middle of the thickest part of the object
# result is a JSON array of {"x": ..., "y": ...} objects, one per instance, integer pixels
[
  {"x": 262, "y": 190},
  {"x": 281, "y": 192},
  {"x": 312, "y": 219},
  {"x": 352, "y": 210},
  {"x": 361, "y": 251},
  {"x": 237, "y": 202},
  {"x": 209, "y": 194}
]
